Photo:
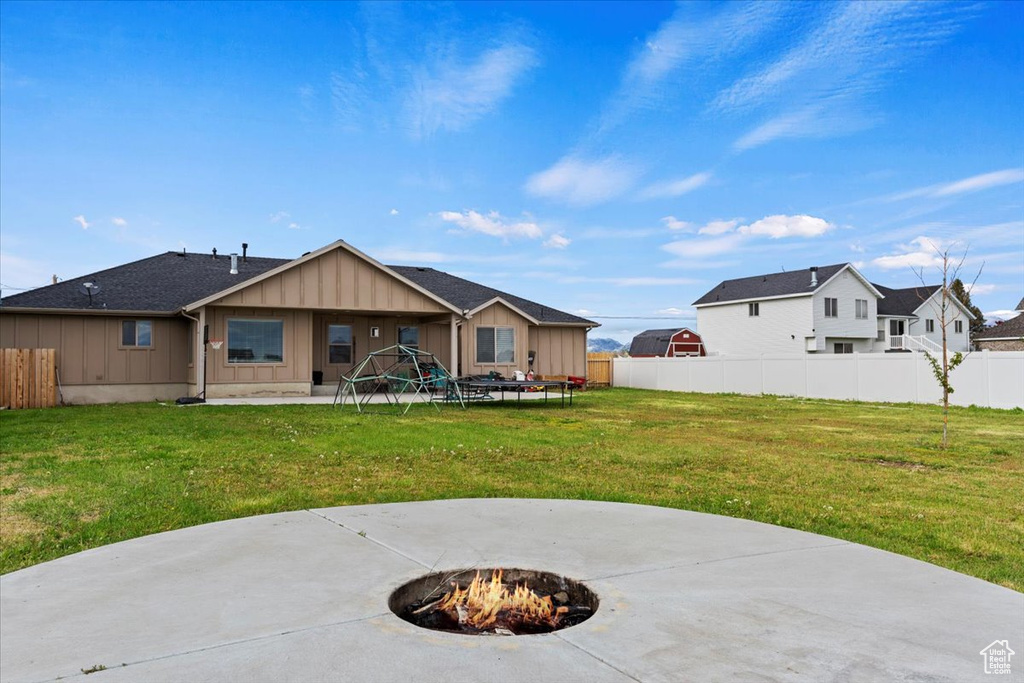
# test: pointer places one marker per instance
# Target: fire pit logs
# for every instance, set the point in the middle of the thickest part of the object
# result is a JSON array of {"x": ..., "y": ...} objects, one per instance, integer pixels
[{"x": 494, "y": 601}]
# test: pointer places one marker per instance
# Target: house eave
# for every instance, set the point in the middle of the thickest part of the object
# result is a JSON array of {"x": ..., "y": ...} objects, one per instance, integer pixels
[
  {"x": 88, "y": 311},
  {"x": 753, "y": 299}
]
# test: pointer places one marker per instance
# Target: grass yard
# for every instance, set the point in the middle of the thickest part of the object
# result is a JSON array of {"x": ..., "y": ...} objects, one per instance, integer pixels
[{"x": 76, "y": 478}]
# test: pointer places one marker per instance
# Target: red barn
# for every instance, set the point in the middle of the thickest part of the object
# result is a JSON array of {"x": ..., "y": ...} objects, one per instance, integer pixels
[{"x": 667, "y": 343}]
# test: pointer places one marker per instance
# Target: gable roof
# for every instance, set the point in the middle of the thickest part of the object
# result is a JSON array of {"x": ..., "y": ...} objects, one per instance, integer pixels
[
  {"x": 469, "y": 296},
  {"x": 1020, "y": 306},
  {"x": 170, "y": 282},
  {"x": 903, "y": 302},
  {"x": 654, "y": 342},
  {"x": 159, "y": 284},
  {"x": 784, "y": 284},
  {"x": 1010, "y": 329}
]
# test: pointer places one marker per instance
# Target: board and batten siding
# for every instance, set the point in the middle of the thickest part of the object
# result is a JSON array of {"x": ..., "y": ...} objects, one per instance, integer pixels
[
  {"x": 560, "y": 350},
  {"x": 495, "y": 315},
  {"x": 89, "y": 350},
  {"x": 846, "y": 288},
  {"x": 434, "y": 337},
  {"x": 298, "y": 347},
  {"x": 782, "y": 327},
  {"x": 337, "y": 280}
]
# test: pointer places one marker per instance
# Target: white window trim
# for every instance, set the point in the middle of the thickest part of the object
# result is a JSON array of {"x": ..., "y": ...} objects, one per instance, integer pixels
[{"x": 351, "y": 345}]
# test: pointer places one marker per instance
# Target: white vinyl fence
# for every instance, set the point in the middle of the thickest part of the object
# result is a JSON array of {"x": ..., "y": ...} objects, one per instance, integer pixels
[{"x": 993, "y": 379}]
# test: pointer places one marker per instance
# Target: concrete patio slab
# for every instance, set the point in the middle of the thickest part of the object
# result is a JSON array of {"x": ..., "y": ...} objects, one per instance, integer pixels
[{"x": 302, "y": 596}]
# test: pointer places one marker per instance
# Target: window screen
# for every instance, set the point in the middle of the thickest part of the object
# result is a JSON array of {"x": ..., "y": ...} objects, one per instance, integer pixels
[
  {"x": 255, "y": 341},
  {"x": 339, "y": 343},
  {"x": 409, "y": 336},
  {"x": 485, "y": 345},
  {"x": 136, "y": 333}
]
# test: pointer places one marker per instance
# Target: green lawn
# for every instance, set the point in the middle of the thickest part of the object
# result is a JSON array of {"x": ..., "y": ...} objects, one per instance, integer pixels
[{"x": 76, "y": 478}]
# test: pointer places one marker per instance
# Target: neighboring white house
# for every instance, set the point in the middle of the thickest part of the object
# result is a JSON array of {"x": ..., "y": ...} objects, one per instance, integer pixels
[{"x": 827, "y": 309}]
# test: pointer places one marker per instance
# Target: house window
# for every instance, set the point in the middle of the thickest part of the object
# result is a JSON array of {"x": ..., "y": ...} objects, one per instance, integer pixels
[
  {"x": 495, "y": 345},
  {"x": 137, "y": 333},
  {"x": 862, "y": 309},
  {"x": 255, "y": 341},
  {"x": 929, "y": 325},
  {"x": 844, "y": 347},
  {"x": 881, "y": 335},
  {"x": 339, "y": 344},
  {"x": 754, "y": 310},
  {"x": 831, "y": 308},
  {"x": 409, "y": 336},
  {"x": 958, "y": 326}
]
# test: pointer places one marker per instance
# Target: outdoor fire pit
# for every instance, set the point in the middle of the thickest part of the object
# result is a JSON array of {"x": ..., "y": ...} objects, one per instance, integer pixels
[{"x": 494, "y": 602}]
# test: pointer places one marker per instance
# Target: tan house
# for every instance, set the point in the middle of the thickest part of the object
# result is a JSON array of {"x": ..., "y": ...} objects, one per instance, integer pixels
[{"x": 137, "y": 332}]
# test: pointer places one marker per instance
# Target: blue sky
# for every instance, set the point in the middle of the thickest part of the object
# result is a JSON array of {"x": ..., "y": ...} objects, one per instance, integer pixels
[{"x": 614, "y": 160}]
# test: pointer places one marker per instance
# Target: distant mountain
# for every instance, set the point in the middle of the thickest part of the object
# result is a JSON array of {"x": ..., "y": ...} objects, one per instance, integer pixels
[{"x": 604, "y": 345}]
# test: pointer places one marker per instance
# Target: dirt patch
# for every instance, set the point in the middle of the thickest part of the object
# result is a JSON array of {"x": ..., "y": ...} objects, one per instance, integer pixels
[{"x": 902, "y": 464}]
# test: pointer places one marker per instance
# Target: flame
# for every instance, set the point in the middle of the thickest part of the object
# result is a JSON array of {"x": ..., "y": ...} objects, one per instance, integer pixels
[{"x": 484, "y": 602}]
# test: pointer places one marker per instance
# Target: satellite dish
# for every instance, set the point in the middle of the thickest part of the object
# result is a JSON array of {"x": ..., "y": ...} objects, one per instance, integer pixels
[{"x": 89, "y": 288}]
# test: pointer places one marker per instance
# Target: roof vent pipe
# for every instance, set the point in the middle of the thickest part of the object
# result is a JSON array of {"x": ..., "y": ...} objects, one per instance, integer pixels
[
  {"x": 234, "y": 264},
  {"x": 215, "y": 253},
  {"x": 245, "y": 248},
  {"x": 814, "y": 276}
]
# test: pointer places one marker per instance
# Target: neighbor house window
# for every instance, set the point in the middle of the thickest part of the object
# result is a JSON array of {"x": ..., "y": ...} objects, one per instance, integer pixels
[
  {"x": 929, "y": 325},
  {"x": 495, "y": 345},
  {"x": 409, "y": 336},
  {"x": 881, "y": 335},
  {"x": 862, "y": 308},
  {"x": 844, "y": 347},
  {"x": 136, "y": 333},
  {"x": 831, "y": 308},
  {"x": 754, "y": 310},
  {"x": 339, "y": 344},
  {"x": 958, "y": 326},
  {"x": 255, "y": 341}
]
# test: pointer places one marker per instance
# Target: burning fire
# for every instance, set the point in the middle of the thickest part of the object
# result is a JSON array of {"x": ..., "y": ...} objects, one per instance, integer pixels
[{"x": 489, "y": 603}]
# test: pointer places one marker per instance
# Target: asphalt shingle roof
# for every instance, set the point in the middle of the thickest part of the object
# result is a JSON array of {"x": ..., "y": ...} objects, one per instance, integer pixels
[
  {"x": 651, "y": 342},
  {"x": 468, "y": 295},
  {"x": 1012, "y": 328},
  {"x": 167, "y": 282},
  {"x": 772, "y": 284},
  {"x": 903, "y": 301},
  {"x": 160, "y": 284}
]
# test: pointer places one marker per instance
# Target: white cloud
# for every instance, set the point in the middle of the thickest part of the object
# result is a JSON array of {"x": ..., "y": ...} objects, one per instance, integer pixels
[
  {"x": 451, "y": 95},
  {"x": 787, "y": 226},
  {"x": 672, "y": 310},
  {"x": 681, "y": 45},
  {"x": 557, "y": 241},
  {"x": 583, "y": 311},
  {"x": 492, "y": 224},
  {"x": 80, "y": 219},
  {"x": 119, "y": 222},
  {"x": 393, "y": 212},
  {"x": 817, "y": 88},
  {"x": 294, "y": 226},
  {"x": 980, "y": 290},
  {"x": 975, "y": 183},
  {"x": 922, "y": 252},
  {"x": 673, "y": 223},
  {"x": 401, "y": 255},
  {"x": 279, "y": 216},
  {"x": 675, "y": 188},
  {"x": 718, "y": 227},
  {"x": 1003, "y": 314},
  {"x": 581, "y": 182},
  {"x": 699, "y": 248}
]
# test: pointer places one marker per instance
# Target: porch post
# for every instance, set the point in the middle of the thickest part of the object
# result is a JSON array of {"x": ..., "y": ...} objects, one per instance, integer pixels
[
  {"x": 200, "y": 357},
  {"x": 453, "y": 364}
]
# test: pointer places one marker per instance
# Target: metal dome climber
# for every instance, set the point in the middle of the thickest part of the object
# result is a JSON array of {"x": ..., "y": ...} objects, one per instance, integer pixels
[{"x": 395, "y": 372}]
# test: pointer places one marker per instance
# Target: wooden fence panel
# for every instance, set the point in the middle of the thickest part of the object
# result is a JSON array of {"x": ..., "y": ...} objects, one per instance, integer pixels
[
  {"x": 599, "y": 369},
  {"x": 28, "y": 378}
]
